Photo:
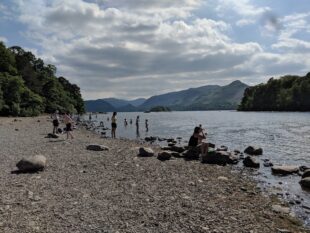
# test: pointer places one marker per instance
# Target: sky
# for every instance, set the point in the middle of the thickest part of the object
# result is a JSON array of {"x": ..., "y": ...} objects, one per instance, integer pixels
[{"x": 140, "y": 48}]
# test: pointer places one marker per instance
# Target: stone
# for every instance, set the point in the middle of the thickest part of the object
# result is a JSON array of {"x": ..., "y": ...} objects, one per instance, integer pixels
[
  {"x": 192, "y": 153},
  {"x": 251, "y": 150},
  {"x": 305, "y": 182},
  {"x": 96, "y": 147},
  {"x": 284, "y": 170},
  {"x": 145, "y": 152},
  {"x": 268, "y": 164},
  {"x": 32, "y": 164},
  {"x": 250, "y": 161},
  {"x": 222, "y": 148},
  {"x": 50, "y": 135},
  {"x": 306, "y": 174},
  {"x": 211, "y": 145},
  {"x": 219, "y": 157},
  {"x": 281, "y": 209},
  {"x": 171, "y": 144},
  {"x": 222, "y": 178},
  {"x": 179, "y": 149},
  {"x": 150, "y": 139},
  {"x": 165, "y": 155}
]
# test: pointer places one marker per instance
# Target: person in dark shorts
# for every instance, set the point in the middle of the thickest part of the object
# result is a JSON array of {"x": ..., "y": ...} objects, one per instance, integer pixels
[
  {"x": 68, "y": 121},
  {"x": 55, "y": 118},
  {"x": 113, "y": 124}
]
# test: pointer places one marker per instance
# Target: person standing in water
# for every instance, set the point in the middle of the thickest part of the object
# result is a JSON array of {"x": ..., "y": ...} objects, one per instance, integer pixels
[
  {"x": 125, "y": 122},
  {"x": 68, "y": 121},
  {"x": 113, "y": 124},
  {"x": 146, "y": 125},
  {"x": 137, "y": 121},
  {"x": 130, "y": 122}
]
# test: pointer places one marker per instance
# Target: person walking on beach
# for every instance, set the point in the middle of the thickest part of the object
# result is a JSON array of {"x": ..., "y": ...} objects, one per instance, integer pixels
[
  {"x": 55, "y": 118},
  {"x": 130, "y": 122},
  {"x": 125, "y": 122},
  {"x": 113, "y": 124},
  {"x": 68, "y": 122}
]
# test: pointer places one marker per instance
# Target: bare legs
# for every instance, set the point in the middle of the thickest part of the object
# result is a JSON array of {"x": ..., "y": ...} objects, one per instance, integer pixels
[
  {"x": 113, "y": 132},
  {"x": 69, "y": 134},
  {"x": 204, "y": 148}
]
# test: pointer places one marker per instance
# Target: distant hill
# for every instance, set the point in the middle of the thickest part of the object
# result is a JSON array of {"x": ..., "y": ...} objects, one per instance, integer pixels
[
  {"x": 98, "y": 106},
  {"x": 288, "y": 93},
  {"x": 211, "y": 97},
  {"x": 119, "y": 103}
]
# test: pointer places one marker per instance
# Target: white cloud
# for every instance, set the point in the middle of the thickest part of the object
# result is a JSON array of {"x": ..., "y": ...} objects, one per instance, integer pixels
[{"x": 143, "y": 47}]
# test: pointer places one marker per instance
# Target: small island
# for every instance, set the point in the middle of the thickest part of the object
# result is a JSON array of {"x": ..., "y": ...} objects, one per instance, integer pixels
[{"x": 160, "y": 109}]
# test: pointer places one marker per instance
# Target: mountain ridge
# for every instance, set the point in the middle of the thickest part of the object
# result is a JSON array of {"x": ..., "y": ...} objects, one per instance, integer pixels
[{"x": 208, "y": 97}]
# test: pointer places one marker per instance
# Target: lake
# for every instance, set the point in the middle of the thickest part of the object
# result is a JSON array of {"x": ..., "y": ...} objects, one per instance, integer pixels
[{"x": 284, "y": 137}]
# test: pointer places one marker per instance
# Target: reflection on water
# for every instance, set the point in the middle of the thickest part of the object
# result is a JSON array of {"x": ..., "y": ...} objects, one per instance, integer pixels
[{"x": 284, "y": 137}]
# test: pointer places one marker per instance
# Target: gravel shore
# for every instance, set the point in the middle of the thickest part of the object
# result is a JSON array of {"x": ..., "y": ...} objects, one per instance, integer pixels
[{"x": 116, "y": 191}]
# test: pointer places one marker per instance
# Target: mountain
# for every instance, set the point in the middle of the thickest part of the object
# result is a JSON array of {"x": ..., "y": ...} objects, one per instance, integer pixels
[
  {"x": 211, "y": 97},
  {"x": 120, "y": 103},
  {"x": 98, "y": 106}
]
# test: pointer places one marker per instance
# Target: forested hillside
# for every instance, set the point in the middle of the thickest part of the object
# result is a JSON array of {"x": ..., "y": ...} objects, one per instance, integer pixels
[
  {"x": 289, "y": 93},
  {"x": 29, "y": 87}
]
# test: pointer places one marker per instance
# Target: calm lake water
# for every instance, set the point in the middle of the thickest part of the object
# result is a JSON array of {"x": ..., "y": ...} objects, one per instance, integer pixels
[{"x": 284, "y": 137}]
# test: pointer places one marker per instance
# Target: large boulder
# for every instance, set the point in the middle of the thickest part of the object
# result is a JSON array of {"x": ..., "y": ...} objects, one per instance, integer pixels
[
  {"x": 32, "y": 164},
  {"x": 145, "y": 152},
  {"x": 192, "y": 153},
  {"x": 179, "y": 149},
  {"x": 306, "y": 173},
  {"x": 219, "y": 157},
  {"x": 165, "y": 155},
  {"x": 284, "y": 170},
  {"x": 95, "y": 147},
  {"x": 305, "y": 182},
  {"x": 250, "y": 161},
  {"x": 251, "y": 150}
]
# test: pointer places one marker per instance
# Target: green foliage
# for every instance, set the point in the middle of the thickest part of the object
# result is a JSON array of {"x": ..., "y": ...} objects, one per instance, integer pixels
[
  {"x": 28, "y": 87},
  {"x": 289, "y": 93}
]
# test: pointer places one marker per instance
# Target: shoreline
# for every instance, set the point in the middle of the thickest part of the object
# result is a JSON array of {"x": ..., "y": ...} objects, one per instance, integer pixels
[{"x": 116, "y": 191}]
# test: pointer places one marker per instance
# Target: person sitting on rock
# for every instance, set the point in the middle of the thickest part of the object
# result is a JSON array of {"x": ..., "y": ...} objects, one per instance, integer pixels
[{"x": 196, "y": 140}]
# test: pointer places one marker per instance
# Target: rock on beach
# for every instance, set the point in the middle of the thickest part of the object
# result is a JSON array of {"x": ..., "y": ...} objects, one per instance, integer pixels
[
  {"x": 145, "y": 152},
  {"x": 165, "y": 155},
  {"x": 96, "y": 147},
  {"x": 250, "y": 161},
  {"x": 305, "y": 182},
  {"x": 32, "y": 164},
  {"x": 251, "y": 150},
  {"x": 284, "y": 170}
]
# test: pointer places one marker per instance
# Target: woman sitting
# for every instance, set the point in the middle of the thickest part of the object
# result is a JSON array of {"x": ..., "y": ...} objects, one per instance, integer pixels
[{"x": 196, "y": 140}]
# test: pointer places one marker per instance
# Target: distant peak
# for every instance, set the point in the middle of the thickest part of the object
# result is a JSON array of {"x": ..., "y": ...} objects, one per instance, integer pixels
[{"x": 236, "y": 82}]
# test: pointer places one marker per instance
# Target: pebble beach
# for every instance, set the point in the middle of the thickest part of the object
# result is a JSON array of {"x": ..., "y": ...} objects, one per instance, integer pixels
[{"x": 117, "y": 191}]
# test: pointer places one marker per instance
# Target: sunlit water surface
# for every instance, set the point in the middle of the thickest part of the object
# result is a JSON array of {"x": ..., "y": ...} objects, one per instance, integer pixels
[{"x": 284, "y": 137}]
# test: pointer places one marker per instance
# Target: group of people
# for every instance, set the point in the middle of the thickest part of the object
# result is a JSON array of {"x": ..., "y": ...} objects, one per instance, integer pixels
[
  {"x": 67, "y": 120},
  {"x": 114, "y": 124}
]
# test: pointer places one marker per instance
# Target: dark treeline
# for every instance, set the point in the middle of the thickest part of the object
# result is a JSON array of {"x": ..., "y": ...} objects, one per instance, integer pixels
[
  {"x": 289, "y": 93},
  {"x": 28, "y": 87}
]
